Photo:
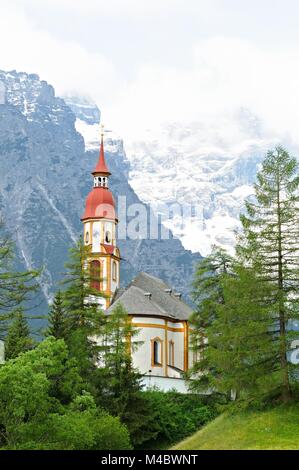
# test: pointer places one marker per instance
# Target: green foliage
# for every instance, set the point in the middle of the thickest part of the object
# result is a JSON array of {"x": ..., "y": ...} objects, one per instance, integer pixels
[
  {"x": 15, "y": 287},
  {"x": 57, "y": 324},
  {"x": 247, "y": 314},
  {"x": 18, "y": 338},
  {"x": 81, "y": 310},
  {"x": 90, "y": 429},
  {"x": 117, "y": 382},
  {"x": 270, "y": 246},
  {"x": 241, "y": 349},
  {"x": 175, "y": 416},
  {"x": 207, "y": 295},
  {"x": 80, "y": 300},
  {"x": 42, "y": 405}
]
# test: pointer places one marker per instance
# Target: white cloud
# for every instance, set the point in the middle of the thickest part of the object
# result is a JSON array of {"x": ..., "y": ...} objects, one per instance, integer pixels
[
  {"x": 64, "y": 64},
  {"x": 226, "y": 74},
  {"x": 220, "y": 73}
]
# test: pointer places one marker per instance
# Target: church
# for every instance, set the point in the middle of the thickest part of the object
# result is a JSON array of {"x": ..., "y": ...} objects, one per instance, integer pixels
[{"x": 158, "y": 312}]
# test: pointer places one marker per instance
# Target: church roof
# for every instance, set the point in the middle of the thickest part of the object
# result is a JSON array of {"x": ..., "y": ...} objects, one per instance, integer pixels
[
  {"x": 161, "y": 302},
  {"x": 101, "y": 166},
  {"x": 99, "y": 204}
]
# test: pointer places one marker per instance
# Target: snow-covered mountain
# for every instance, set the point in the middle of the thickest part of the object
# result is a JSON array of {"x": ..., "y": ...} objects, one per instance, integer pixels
[
  {"x": 198, "y": 175},
  {"x": 45, "y": 178}
]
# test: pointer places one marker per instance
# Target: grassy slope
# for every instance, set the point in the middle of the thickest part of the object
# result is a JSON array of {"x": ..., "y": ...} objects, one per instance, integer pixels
[{"x": 274, "y": 429}]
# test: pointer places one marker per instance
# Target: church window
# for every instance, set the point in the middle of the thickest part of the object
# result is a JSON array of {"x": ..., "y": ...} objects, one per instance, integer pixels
[
  {"x": 95, "y": 275},
  {"x": 171, "y": 353},
  {"x": 114, "y": 271},
  {"x": 87, "y": 238},
  {"x": 157, "y": 352},
  {"x": 108, "y": 237}
]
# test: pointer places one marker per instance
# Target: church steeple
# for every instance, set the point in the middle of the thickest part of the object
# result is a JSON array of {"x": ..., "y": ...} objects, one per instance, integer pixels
[
  {"x": 100, "y": 221},
  {"x": 101, "y": 171}
]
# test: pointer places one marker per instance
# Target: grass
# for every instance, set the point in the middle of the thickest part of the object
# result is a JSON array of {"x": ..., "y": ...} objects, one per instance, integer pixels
[{"x": 276, "y": 429}]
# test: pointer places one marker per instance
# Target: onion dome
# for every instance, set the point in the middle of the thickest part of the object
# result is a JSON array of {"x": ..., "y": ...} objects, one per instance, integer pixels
[{"x": 99, "y": 204}]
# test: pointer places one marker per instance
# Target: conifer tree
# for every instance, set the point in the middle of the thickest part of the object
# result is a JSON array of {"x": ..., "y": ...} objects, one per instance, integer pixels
[
  {"x": 270, "y": 246},
  {"x": 15, "y": 287},
  {"x": 57, "y": 318},
  {"x": 251, "y": 331},
  {"x": 18, "y": 338},
  {"x": 207, "y": 295},
  {"x": 240, "y": 345},
  {"x": 119, "y": 383},
  {"x": 81, "y": 306}
]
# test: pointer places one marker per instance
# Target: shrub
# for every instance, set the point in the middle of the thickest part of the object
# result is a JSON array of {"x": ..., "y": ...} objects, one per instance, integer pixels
[{"x": 176, "y": 416}]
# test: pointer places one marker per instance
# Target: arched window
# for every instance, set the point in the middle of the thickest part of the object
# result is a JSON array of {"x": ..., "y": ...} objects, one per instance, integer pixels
[
  {"x": 95, "y": 275},
  {"x": 157, "y": 352},
  {"x": 108, "y": 237},
  {"x": 171, "y": 353},
  {"x": 87, "y": 238},
  {"x": 114, "y": 271}
]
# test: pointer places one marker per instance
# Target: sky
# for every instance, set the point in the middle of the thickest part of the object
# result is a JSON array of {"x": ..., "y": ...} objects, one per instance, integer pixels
[{"x": 146, "y": 63}]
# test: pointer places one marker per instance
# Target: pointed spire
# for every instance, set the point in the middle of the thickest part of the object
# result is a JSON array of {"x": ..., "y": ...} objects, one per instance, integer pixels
[{"x": 101, "y": 165}]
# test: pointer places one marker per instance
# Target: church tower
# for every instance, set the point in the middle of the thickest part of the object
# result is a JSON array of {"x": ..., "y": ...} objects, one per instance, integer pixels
[{"x": 100, "y": 221}]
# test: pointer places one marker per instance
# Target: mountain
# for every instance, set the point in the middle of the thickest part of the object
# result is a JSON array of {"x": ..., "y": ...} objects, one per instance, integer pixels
[
  {"x": 44, "y": 180},
  {"x": 196, "y": 175},
  {"x": 205, "y": 168}
]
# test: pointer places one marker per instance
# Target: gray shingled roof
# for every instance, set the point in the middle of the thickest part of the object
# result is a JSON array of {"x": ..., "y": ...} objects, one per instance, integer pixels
[{"x": 161, "y": 303}]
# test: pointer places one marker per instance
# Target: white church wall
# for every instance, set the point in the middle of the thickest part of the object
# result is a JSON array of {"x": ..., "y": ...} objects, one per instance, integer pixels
[
  {"x": 165, "y": 383},
  {"x": 87, "y": 230},
  {"x": 96, "y": 237},
  {"x": 114, "y": 282},
  {"x": 142, "y": 358},
  {"x": 108, "y": 227},
  {"x": 149, "y": 320},
  {"x": 178, "y": 340}
]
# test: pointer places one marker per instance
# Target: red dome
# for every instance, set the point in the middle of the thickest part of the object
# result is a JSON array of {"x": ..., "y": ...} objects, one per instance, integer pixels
[{"x": 99, "y": 204}]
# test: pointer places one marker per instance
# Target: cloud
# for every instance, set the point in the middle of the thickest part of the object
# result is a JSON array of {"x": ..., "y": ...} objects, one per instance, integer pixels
[
  {"x": 219, "y": 74},
  {"x": 226, "y": 74},
  {"x": 65, "y": 64}
]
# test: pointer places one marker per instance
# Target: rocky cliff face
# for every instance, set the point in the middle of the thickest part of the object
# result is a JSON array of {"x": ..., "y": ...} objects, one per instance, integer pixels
[
  {"x": 44, "y": 180},
  {"x": 209, "y": 167}
]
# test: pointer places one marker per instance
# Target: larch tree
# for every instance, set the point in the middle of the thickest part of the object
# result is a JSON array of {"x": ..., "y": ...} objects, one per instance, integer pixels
[
  {"x": 207, "y": 295},
  {"x": 270, "y": 247},
  {"x": 241, "y": 351}
]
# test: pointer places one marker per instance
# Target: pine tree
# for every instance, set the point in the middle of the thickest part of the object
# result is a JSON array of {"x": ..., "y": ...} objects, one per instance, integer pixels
[
  {"x": 57, "y": 318},
  {"x": 15, "y": 287},
  {"x": 18, "y": 338},
  {"x": 247, "y": 316},
  {"x": 270, "y": 246},
  {"x": 119, "y": 383},
  {"x": 82, "y": 311},
  {"x": 80, "y": 299},
  {"x": 207, "y": 295},
  {"x": 241, "y": 350}
]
